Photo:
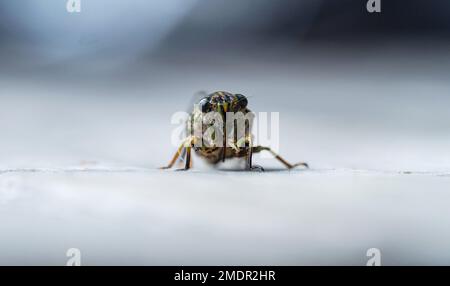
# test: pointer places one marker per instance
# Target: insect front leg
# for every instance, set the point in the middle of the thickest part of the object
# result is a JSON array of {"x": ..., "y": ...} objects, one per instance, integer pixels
[
  {"x": 188, "y": 163},
  {"x": 257, "y": 149},
  {"x": 188, "y": 148},
  {"x": 249, "y": 164},
  {"x": 185, "y": 146}
]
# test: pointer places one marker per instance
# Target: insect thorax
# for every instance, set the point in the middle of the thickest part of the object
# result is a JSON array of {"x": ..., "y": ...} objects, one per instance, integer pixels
[{"x": 208, "y": 133}]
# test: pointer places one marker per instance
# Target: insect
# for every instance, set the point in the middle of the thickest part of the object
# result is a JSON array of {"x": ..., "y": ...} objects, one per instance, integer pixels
[{"x": 221, "y": 104}]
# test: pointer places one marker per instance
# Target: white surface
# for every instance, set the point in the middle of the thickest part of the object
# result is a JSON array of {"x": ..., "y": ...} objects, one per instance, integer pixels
[{"x": 154, "y": 217}]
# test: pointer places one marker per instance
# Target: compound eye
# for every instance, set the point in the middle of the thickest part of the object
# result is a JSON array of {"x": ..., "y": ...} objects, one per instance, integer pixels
[
  {"x": 204, "y": 105},
  {"x": 241, "y": 100}
]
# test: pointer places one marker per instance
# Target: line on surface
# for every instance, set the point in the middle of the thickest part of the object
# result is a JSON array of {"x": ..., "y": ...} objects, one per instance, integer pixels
[{"x": 220, "y": 171}]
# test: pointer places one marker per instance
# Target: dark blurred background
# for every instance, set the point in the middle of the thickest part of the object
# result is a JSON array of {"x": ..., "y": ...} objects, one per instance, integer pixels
[{"x": 42, "y": 34}]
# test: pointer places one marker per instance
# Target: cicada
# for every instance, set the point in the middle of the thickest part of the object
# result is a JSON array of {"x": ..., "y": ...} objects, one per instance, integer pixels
[{"x": 223, "y": 142}]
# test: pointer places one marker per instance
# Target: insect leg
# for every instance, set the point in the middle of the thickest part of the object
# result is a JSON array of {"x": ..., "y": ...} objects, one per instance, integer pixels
[
  {"x": 249, "y": 157},
  {"x": 179, "y": 152},
  {"x": 257, "y": 149},
  {"x": 249, "y": 164},
  {"x": 175, "y": 157},
  {"x": 182, "y": 157},
  {"x": 188, "y": 163}
]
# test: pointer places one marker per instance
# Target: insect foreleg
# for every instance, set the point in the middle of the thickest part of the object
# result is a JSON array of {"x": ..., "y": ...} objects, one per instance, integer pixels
[
  {"x": 188, "y": 163},
  {"x": 188, "y": 148},
  {"x": 257, "y": 149},
  {"x": 249, "y": 164},
  {"x": 181, "y": 150}
]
